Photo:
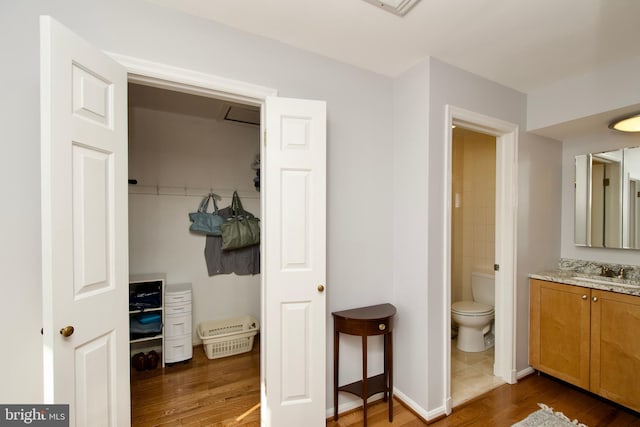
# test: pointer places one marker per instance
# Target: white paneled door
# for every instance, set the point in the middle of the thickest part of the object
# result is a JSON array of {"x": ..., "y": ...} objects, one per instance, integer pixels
[
  {"x": 84, "y": 229},
  {"x": 294, "y": 209}
]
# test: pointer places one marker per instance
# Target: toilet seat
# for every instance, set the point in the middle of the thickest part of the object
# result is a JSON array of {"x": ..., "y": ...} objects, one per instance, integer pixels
[{"x": 471, "y": 308}]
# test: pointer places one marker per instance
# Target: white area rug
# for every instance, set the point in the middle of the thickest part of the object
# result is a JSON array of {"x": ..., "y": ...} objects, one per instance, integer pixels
[{"x": 547, "y": 417}]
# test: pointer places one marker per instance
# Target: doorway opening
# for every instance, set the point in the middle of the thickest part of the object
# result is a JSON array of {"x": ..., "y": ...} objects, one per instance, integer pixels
[
  {"x": 504, "y": 256},
  {"x": 182, "y": 148},
  {"x": 184, "y": 81},
  {"x": 472, "y": 259}
]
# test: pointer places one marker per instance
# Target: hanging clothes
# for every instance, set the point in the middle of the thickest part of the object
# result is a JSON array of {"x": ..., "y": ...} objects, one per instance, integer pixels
[{"x": 239, "y": 261}]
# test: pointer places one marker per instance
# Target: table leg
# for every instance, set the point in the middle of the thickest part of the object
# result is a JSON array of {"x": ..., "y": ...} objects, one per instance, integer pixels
[
  {"x": 389, "y": 358},
  {"x": 385, "y": 393},
  {"x": 365, "y": 388},
  {"x": 336, "y": 363}
]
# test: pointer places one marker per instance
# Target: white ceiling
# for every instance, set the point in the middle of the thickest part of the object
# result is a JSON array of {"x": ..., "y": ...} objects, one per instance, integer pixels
[{"x": 523, "y": 44}]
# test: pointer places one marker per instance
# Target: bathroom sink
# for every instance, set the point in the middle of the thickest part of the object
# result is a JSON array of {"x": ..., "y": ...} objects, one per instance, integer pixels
[{"x": 604, "y": 281}]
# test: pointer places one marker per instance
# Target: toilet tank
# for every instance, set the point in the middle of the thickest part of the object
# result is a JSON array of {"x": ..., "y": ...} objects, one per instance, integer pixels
[{"x": 483, "y": 288}]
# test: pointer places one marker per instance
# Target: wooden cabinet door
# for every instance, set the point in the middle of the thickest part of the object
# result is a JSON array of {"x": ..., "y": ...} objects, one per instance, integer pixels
[
  {"x": 560, "y": 331},
  {"x": 615, "y": 349}
]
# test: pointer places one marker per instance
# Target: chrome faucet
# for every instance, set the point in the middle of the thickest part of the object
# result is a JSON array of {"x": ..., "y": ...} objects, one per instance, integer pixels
[{"x": 606, "y": 271}]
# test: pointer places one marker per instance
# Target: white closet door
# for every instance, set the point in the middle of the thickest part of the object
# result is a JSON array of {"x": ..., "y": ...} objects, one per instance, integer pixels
[
  {"x": 84, "y": 229},
  {"x": 294, "y": 252}
]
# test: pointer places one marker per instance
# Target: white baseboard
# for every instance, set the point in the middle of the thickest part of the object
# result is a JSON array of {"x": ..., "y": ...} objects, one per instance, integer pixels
[
  {"x": 417, "y": 408},
  {"x": 356, "y": 402},
  {"x": 526, "y": 371}
]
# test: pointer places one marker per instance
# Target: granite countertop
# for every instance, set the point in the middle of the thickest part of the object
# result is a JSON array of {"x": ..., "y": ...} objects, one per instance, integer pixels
[{"x": 593, "y": 281}]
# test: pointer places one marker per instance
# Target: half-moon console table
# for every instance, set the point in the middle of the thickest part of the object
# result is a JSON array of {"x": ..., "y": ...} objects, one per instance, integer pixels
[{"x": 364, "y": 322}]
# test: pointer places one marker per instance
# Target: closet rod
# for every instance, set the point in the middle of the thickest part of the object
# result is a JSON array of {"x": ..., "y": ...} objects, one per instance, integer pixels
[{"x": 190, "y": 192}]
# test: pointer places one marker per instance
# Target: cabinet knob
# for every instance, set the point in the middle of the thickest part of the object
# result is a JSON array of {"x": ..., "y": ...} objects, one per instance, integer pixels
[
  {"x": 67, "y": 331},
  {"x": 382, "y": 326},
  {"x": 584, "y": 296},
  {"x": 320, "y": 288},
  {"x": 594, "y": 299}
]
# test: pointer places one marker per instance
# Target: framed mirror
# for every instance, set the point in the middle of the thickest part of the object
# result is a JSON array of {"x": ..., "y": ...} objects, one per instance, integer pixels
[
  {"x": 631, "y": 202},
  {"x": 607, "y": 199}
]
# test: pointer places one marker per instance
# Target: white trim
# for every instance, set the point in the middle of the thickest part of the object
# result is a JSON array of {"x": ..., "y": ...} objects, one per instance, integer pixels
[
  {"x": 506, "y": 253},
  {"x": 417, "y": 408},
  {"x": 506, "y": 237},
  {"x": 188, "y": 81},
  {"x": 448, "y": 156},
  {"x": 525, "y": 372}
]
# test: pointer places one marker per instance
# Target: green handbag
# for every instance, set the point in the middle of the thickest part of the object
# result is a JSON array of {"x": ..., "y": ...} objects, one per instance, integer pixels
[{"x": 242, "y": 229}]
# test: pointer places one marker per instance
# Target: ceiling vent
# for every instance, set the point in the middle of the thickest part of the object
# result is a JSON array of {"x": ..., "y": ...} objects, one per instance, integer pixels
[
  {"x": 242, "y": 114},
  {"x": 397, "y": 7}
]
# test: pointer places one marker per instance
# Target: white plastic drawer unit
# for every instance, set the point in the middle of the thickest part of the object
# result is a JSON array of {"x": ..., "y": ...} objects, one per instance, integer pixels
[{"x": 178, "y": 323}]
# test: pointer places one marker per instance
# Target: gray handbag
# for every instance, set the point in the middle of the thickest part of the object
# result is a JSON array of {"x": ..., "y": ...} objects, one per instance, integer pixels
[{"x": 204, "y": 222}]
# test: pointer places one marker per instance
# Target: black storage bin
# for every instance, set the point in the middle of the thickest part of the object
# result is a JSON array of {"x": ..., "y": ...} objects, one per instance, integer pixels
[
  {"x": 145, "y": 295},
  {"x": 145, "y": 325}
]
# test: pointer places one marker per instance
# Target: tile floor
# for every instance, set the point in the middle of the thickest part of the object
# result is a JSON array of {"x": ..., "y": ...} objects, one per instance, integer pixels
[{"x": 471, "y": 374}]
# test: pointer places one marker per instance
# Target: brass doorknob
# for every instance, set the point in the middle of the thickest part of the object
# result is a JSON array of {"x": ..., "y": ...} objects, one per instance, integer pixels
[
  {"x": 320, "y": 288},
  {"x": 67, "y": 331}
]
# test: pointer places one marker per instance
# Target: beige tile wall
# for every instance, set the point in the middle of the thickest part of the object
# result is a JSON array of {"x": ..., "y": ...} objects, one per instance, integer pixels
[{"x": 473, "y": 208}]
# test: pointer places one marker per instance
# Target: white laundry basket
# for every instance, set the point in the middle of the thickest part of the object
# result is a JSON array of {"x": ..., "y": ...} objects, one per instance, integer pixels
[{"x": 221, "y": 338}]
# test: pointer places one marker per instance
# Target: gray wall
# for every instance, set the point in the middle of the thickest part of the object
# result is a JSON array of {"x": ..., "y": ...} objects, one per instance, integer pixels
[
  {"x": 538, "y": 199},
  {"x": 421, "y": 96},
  {"x": 359, "y": 135},
  {"x": 410, "y": 239}
]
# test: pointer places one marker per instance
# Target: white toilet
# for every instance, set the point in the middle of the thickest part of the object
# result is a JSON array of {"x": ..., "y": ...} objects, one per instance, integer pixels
[{"x": 475, "y": 318}]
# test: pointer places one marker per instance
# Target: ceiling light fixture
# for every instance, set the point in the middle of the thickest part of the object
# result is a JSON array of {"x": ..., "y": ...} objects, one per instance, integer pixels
[
  {"x": 627, "y": 124},
  {"x": 397, "y": 7}
]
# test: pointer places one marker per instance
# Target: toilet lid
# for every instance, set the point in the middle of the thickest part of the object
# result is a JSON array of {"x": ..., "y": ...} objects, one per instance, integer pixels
[{"x": 471, "y": 308}]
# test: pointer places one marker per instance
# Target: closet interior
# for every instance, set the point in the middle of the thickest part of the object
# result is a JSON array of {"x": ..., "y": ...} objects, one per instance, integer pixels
[{"x": 182, "y": 147}]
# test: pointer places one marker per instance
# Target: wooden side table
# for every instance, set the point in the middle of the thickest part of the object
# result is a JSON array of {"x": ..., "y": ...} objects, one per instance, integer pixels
[{"x": 364, "y": 322}]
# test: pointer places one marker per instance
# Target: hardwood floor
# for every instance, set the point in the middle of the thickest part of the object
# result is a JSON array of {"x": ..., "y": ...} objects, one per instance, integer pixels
[
  {"x": 506, "y": 405},
  {"x": 207, "y": 392},
  {"x": 201, "y": 392},
  {"x": 509, "y": 404}
]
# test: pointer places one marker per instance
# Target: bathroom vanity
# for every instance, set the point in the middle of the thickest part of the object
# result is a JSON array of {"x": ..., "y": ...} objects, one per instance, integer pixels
[{"x": 585, "y": 330}]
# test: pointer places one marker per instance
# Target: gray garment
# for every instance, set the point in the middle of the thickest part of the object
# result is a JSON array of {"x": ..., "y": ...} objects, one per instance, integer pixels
[{"x": 241, "y": 261}]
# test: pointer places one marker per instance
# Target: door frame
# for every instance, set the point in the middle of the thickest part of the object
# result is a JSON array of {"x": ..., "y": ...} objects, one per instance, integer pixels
[
  {"x": 505, "y": 239},
  {"x": 165, "y": 76}
]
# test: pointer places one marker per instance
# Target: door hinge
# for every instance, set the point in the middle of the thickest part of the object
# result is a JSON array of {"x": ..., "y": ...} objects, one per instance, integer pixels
[
  {"x": 496, "y": 267},
  {"x": 264, "y": 138}
]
